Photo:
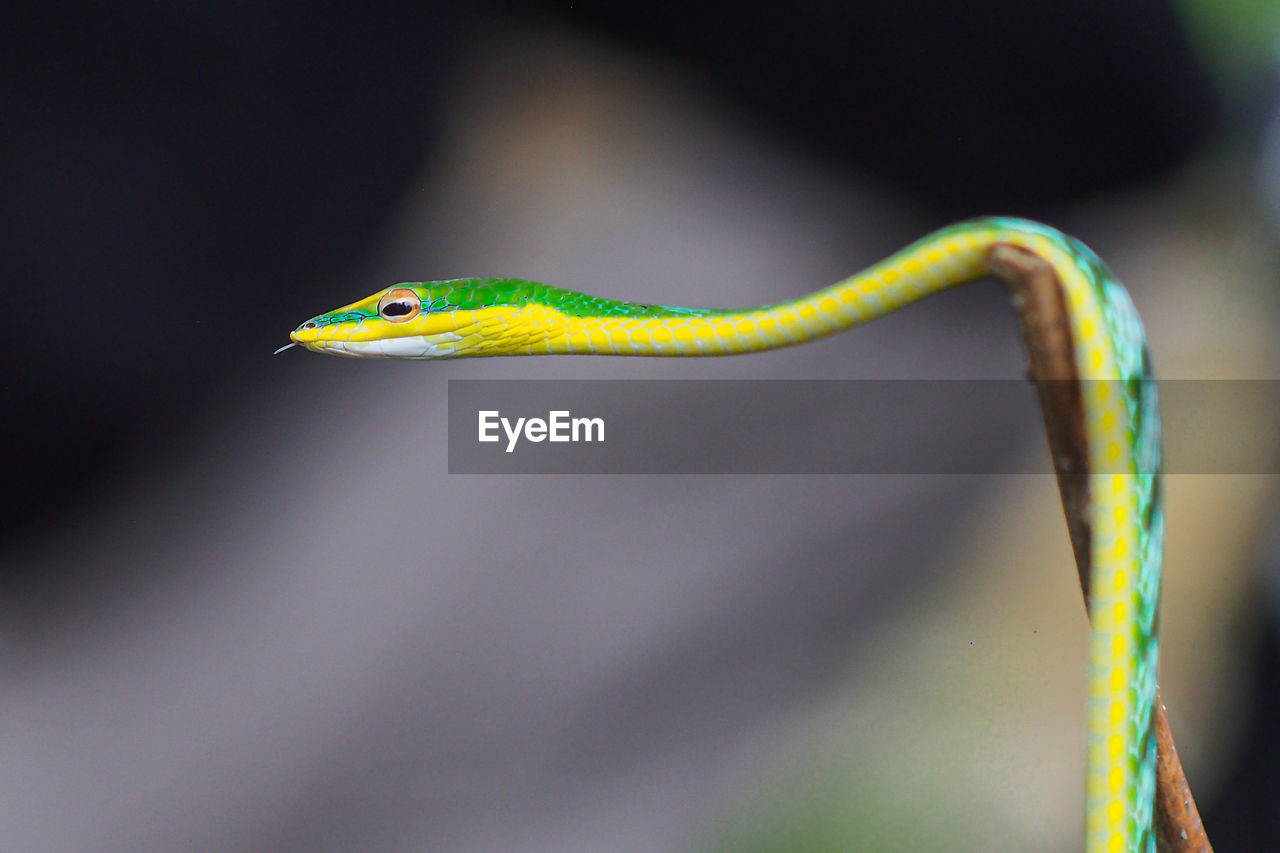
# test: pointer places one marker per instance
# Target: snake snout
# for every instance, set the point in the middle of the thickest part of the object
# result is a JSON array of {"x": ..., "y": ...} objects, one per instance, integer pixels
[{"x": 306, "y": 333}]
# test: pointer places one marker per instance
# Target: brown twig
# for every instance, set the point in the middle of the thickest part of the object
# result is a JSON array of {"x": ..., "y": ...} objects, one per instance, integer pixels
[
  {"x": 1042, "y": 313},
  {"x": 1178, "y": 825}
]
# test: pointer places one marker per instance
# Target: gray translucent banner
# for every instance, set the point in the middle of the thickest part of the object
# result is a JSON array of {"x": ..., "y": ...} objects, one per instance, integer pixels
[{"x": 822, "y": 426}]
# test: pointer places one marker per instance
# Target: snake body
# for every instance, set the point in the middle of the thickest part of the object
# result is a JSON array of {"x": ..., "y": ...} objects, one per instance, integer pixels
[{"x": 492, "y": 317}]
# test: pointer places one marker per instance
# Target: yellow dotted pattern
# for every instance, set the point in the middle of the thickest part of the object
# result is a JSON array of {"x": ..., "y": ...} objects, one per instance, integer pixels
[
  {"x": 1112, "y": 814},
  {"x": 1114, "y": 818},
  {"x": 904, "y": 278}
]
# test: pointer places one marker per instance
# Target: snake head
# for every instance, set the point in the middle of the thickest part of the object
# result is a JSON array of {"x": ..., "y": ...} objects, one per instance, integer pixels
[{"x": 419, "y": 320}]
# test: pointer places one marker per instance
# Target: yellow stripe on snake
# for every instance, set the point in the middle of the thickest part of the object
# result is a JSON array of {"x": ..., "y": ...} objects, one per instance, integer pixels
[{"x": 492, "y": 317}]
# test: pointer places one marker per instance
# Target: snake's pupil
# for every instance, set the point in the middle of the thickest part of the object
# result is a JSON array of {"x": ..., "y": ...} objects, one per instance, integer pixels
[{"x": 399, "y": 305}]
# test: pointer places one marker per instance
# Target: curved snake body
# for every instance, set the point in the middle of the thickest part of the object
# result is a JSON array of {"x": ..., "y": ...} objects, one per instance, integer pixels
[{"x": 491, "y": 317}]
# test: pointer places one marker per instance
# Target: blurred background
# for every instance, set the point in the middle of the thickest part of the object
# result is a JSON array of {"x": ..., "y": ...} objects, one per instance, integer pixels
[{"x": 244, "y": 607}]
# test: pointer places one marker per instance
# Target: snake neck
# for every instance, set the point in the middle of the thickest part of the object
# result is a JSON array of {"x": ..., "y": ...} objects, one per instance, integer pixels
[{"x": 1121, "y": 433}]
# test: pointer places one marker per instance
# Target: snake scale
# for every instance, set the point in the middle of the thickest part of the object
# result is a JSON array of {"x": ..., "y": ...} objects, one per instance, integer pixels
[{"x": 1118, "y": 525}]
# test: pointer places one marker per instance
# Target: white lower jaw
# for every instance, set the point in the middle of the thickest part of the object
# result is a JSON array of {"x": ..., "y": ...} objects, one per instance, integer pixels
[{"x": 417, "y": 346}]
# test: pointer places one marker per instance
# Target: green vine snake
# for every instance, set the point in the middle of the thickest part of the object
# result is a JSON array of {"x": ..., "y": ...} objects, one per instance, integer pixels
[{"x": 1118, "y": 535}]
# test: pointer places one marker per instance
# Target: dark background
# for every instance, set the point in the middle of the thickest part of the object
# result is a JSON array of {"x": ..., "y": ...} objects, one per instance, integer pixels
[
  {"x": 183, "y": 184},
  {"x": 183, "y": 162}
]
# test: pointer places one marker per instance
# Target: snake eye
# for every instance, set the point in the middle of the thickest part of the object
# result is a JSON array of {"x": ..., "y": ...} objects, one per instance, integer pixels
[{"x": 399, "y": 305}]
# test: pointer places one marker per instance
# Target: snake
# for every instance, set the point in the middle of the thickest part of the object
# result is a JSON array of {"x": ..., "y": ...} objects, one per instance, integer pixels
[{"x": 1123, "y": 519}]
